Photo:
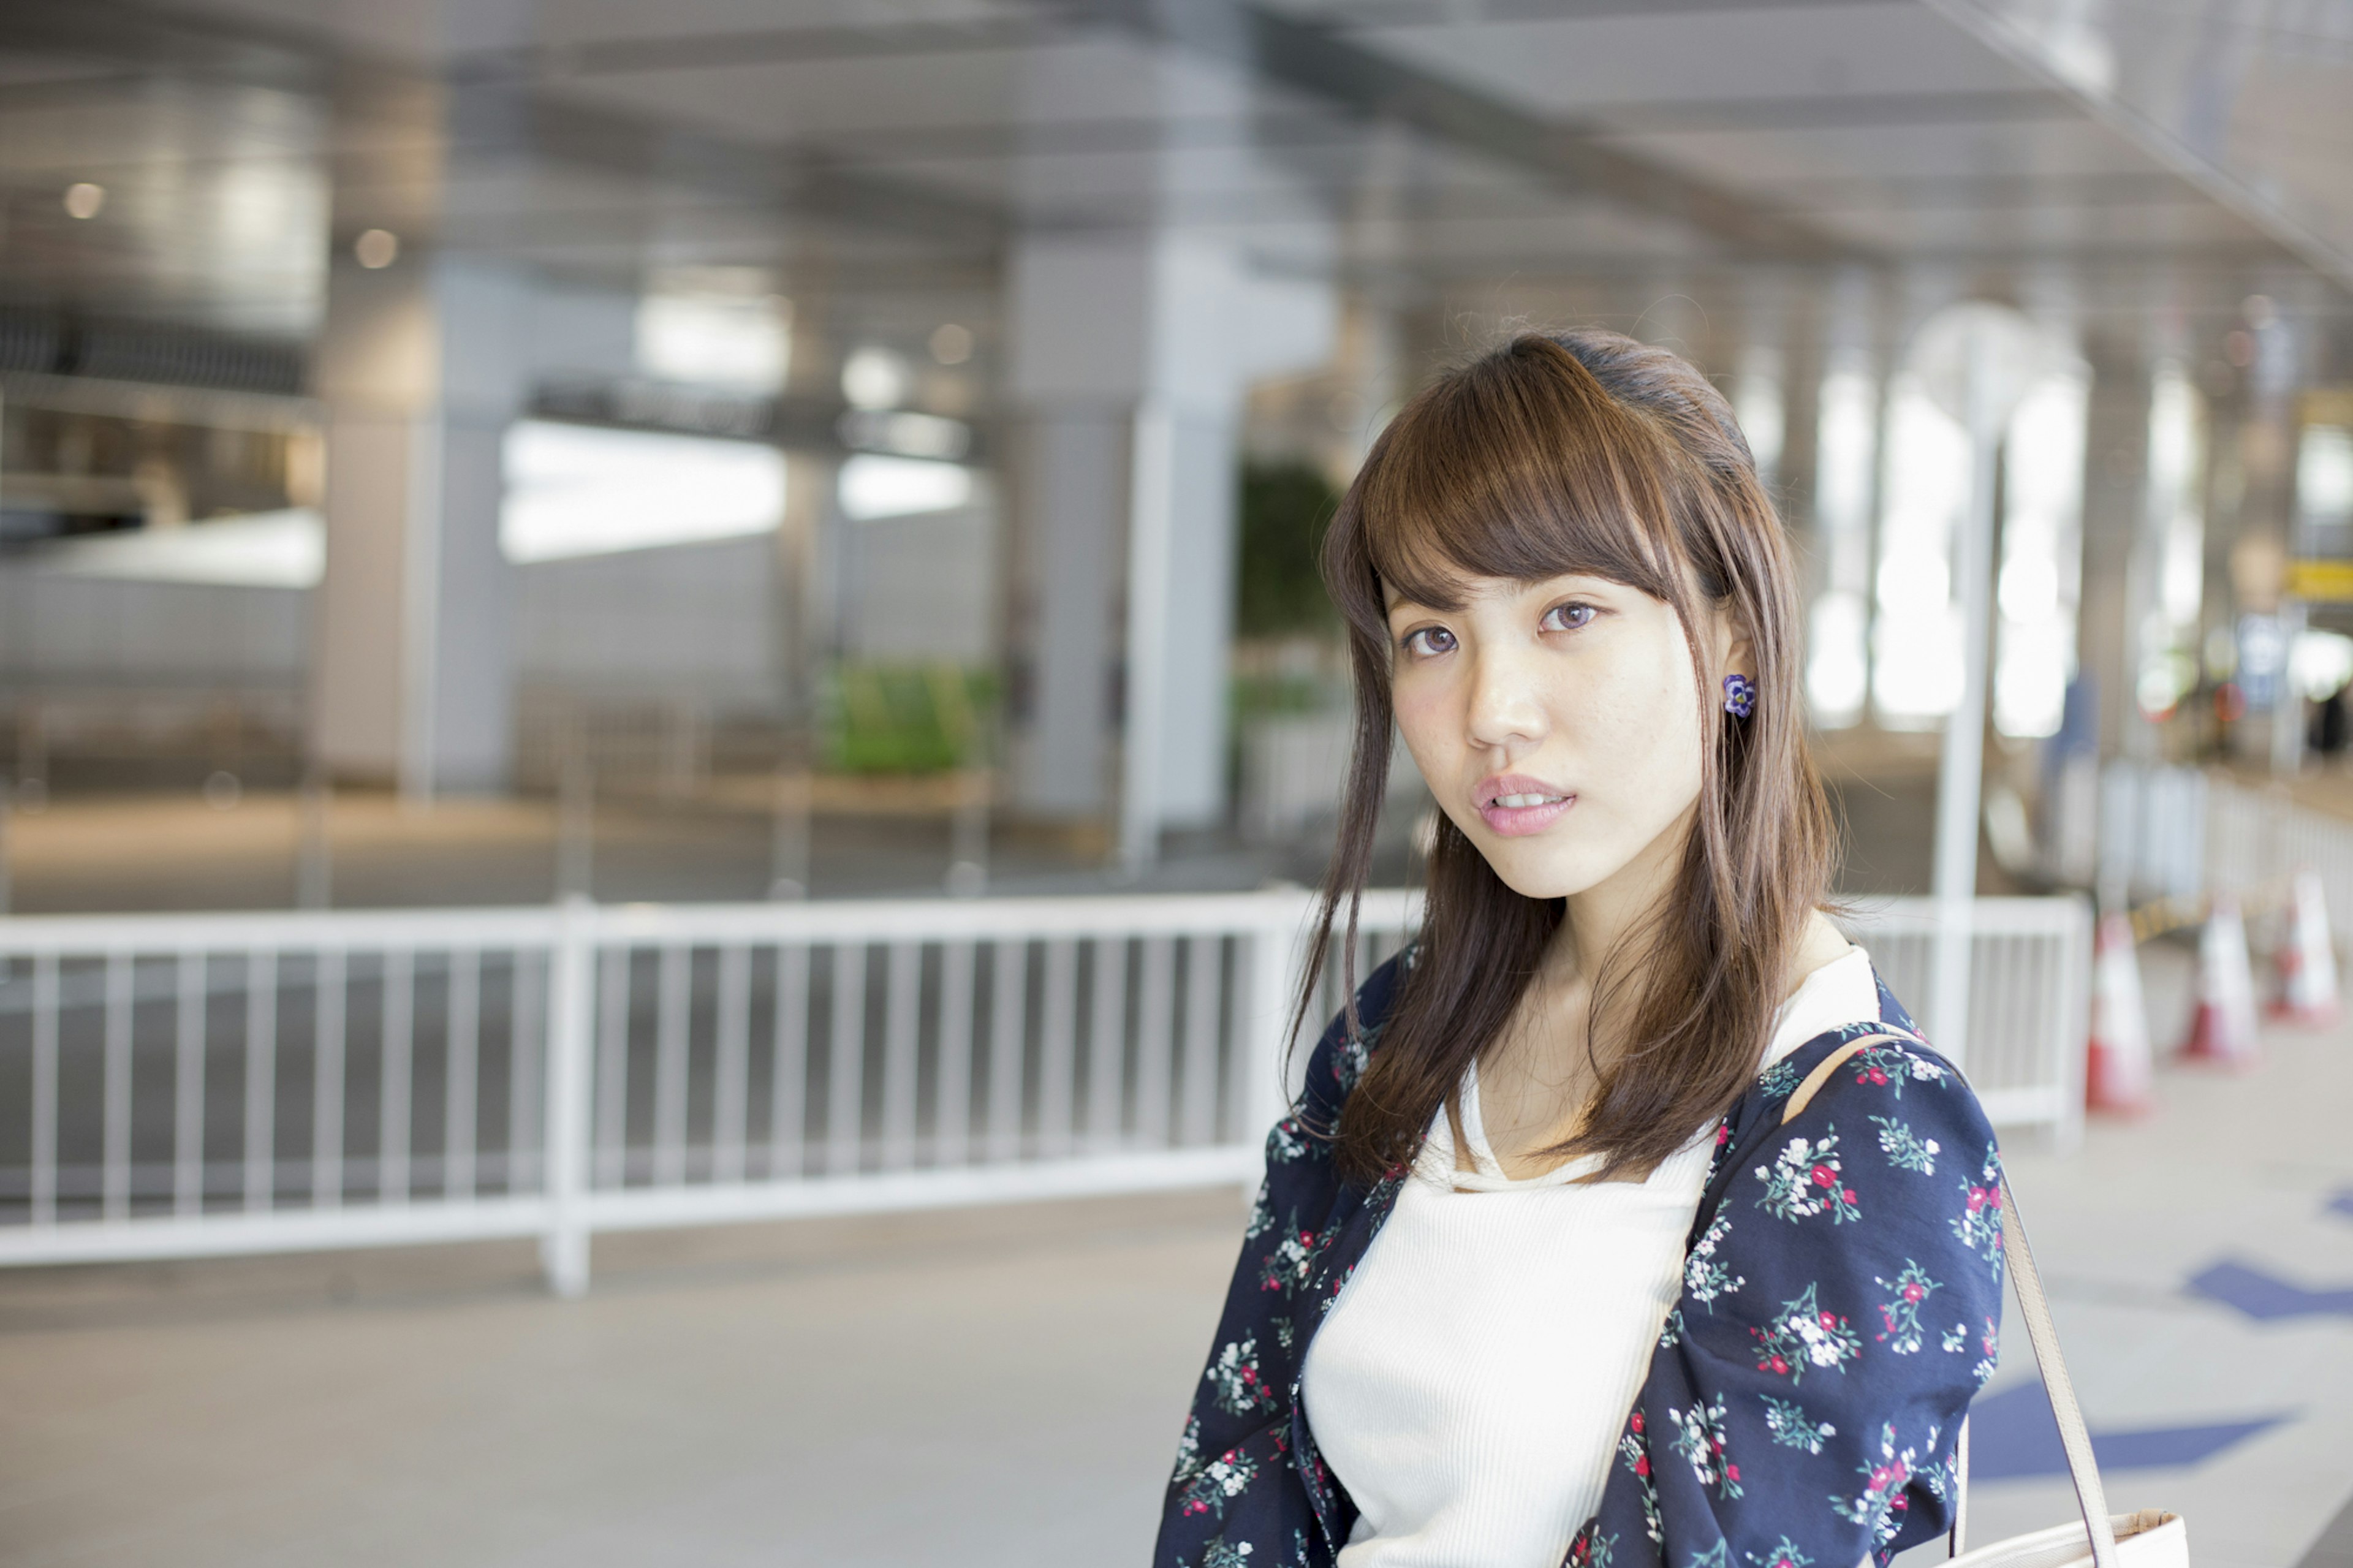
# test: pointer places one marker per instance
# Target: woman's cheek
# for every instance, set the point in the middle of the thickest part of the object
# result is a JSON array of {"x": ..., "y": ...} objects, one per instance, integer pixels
[
  {"x": 1421, "y": 720},
  {"x": 1649, "y": 731}
]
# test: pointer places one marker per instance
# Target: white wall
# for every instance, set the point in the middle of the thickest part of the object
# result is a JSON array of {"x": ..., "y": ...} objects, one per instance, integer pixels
[
  {"x": 93, "y": 630},
  {"x": 699, "y": 619},
  {"x": 921, "y": 588},
  {"x": 693, "y": 614},
  {"x": 700, "y": 616}
]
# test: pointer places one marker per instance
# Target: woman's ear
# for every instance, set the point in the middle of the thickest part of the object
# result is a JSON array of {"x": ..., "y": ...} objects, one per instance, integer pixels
[{"x": 1736, "y": 655}]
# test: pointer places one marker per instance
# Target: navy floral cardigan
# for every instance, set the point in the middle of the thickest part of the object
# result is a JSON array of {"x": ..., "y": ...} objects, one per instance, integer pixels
[{"x": 1840, "y": 1305}]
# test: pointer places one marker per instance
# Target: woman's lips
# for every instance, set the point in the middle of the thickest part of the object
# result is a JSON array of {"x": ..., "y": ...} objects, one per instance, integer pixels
[{"x": 1519, "y": 821}]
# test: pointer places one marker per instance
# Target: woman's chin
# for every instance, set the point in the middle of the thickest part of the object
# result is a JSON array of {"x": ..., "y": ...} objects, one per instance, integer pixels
[{"x": 1536, "y": 875}]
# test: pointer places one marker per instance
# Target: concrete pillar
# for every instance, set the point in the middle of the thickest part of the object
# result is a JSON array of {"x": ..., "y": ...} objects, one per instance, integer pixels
[
  {"x": 1846, "y": 410},
  {"x": 2116, "y": 466},
  {"x": 1130, "y": 355},
  {"x": 422, "y": 367}
]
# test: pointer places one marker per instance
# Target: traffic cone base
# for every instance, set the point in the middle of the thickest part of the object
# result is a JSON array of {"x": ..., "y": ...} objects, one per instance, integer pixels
[
  {"x": 2222, "y": 1031},
  {"x": 2307, "y": 959}
]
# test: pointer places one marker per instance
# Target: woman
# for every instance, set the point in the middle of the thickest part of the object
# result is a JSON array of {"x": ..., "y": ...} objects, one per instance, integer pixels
[{"x": 1623, "y": 1220}]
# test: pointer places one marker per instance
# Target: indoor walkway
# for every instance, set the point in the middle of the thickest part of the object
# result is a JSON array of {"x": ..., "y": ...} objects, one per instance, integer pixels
[
  {"x": 2201, "y": 1266},
  {"x": 1005, "y": 1387},
  {"x": 125, "y": 853}
]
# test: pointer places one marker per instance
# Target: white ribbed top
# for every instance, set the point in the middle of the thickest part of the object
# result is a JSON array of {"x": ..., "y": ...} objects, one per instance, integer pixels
[{"x": 1468, "y": 1385}]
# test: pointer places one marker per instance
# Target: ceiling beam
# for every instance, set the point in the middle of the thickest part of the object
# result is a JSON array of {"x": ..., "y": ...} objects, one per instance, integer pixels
[
  {"x": 1450, "y": 12},
  {"x": 489, "y": 114},
  {"x": 1833, "y": 111},
  {"x": 1321, "y": 61}
]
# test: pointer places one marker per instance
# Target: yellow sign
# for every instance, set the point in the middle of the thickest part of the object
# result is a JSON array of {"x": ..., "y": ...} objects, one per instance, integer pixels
[
  {"x": 2321, "y": 581},
  {"x": 2328, "y": 406}
]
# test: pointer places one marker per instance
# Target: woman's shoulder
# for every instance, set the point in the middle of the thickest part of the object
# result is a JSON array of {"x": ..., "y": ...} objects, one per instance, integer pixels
[
  {"x": 1870, "y": 1091},
  {"x": 1876, "y": 1060}
]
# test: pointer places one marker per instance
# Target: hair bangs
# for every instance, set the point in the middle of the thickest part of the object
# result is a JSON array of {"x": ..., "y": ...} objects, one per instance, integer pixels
[{"x": 1494, "y": 478}]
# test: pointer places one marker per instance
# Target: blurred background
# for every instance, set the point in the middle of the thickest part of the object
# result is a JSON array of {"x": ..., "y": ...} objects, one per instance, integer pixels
[{"x": 616, "y": 616}]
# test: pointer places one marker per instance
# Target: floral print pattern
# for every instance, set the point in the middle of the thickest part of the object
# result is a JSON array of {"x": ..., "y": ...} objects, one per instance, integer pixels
[
  {"x": 1803, "y": 1335},
  {"x": 1284, "y": 1266},
  {"x": 1791, "y": 1427},
  {"x": 1699, "y": 1438},
  {"x": 1725, "y": 1460},
  {"x": 1704, "y": 1276},
  {"x": 1887, "y": 1482},
  {"x": 1779, "y": 1080},
  {"x": 1806, "y": 1178},
  {"x": 1782, "y": 1553},
  {"x": 1901, "y": 1312},
  {"x": 1234, "y": 1380},
  {"x": 1907, "y": 1150},
  {"x": 1978, "y": 1225},
  {"x": 1957, "y": 1342},
  {"x": 1891, "y": 1066},
  {"x": 1637, "y": 1460},
  {"x": 1207, "y": 1488}
]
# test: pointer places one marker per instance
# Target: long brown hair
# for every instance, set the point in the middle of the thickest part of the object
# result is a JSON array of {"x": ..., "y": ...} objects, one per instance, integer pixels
[{"x": 1585, "y": 452}]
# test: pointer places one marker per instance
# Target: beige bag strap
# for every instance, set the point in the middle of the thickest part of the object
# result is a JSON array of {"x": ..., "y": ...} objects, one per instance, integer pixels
[
  {"x": 1956, "y": 1540},
  {"x": 1811, "y": 1084},
  {"x": 2040, "y": 1332},
  {"x": 2043, "y": 1335}
]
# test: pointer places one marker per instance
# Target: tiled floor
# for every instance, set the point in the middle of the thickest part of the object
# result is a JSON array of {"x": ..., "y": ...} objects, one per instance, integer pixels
[
  {"x": 986, "y": 1389},
  {"x": 115, "y": 853},
  {"x": 1005, "y": 1388},
  {"x": 2200, "y": 1266}
]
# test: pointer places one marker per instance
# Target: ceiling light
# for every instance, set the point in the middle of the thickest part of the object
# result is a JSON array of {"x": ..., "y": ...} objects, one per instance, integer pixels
[
  {"x": 84, "y": 199},
  {"x": 875, "y": 378},
  {"x": 582, "y": 490},
  {"x": 376, "y": 249},
  {"x": 285, "y": 548},
  {"x": 950, "y": 343},
  {"x": 742, "y": 342},
  {"x": 870, "y": 487}
]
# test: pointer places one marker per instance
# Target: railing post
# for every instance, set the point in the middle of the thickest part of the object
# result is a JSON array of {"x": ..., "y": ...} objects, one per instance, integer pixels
[
  {"x": 1278, "y": 958},
  {"x": 2075, "y": 1026},
  {"x": 570, "y": 1008},
  {"x": 1951, "y": 961}
]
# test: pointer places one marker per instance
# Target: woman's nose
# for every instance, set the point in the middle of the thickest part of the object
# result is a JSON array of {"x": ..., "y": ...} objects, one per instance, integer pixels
[{"x": 1505, "y": 708}]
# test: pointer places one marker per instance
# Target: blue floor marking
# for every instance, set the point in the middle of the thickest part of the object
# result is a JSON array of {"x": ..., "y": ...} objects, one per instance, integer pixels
[
  {"x": 2266, "y": 1297},
  {"x": 2013, "y": 1437},
  {"x": 2342, "y": 1204}
]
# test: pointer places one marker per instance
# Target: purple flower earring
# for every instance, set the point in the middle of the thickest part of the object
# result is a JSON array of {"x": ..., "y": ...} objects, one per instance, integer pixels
[{"x": 1739, "y": 696}]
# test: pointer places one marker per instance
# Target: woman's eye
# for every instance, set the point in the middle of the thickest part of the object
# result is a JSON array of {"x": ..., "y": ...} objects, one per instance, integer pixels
[
  {"x": 1567, "y": 617},
  {"x": 1429, "y": 640}
]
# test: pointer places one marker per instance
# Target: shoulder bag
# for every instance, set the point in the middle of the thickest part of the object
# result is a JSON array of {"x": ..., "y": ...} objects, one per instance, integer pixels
[{"x": 2149, "y": 1539}]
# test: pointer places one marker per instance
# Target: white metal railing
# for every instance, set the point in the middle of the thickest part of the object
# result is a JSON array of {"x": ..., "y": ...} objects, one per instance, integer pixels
[
  {"x": 190, "y": 1085},
  {"x": 2258, "y": 837},
  {"x": 2030, "y": 998},
  {"x": 174, "y": 1085},
  {"x": 2180, "y": 834}
]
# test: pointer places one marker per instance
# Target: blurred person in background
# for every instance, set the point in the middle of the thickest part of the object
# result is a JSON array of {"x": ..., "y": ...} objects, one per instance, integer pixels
[{"x": 1625, "y": 1210}]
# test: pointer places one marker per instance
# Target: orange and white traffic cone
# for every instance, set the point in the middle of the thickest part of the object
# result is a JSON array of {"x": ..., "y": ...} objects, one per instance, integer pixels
[
  {"x": 2223, "y": 1030},
  {"x": 2307, "y": 959},
  {"x": 2119, "y": 1067}
]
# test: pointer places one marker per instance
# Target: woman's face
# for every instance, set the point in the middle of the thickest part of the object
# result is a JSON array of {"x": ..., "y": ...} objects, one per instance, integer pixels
[{"x": 1557, "y": 723}]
